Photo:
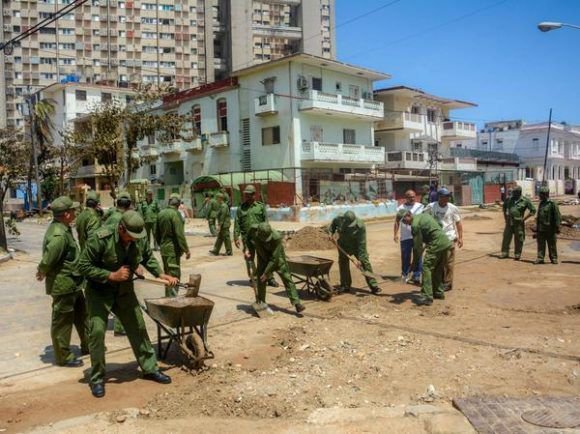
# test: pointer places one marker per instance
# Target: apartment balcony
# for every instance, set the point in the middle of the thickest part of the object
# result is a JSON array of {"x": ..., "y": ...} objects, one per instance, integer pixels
[
  {"x": 266, "y": 105},
  {"x": 194, "y": 145},
  {"x": 174, "y": 147},
  {"x": 283, "y": 2},
  {"x": 459, "y": 130},
  {"x": 149, "y": 151},
  {"x": 407, "y": 160},
  {"x": 341, "y": 153},
  {"x": 485, "y": 156},
  {"x": 219, "y": 139},
  {"x": 401, "y": 121},
  {"x": 342, "y": 106},
  {"x": 85, "y": 171},
  {"x": 269, "y": 31}
]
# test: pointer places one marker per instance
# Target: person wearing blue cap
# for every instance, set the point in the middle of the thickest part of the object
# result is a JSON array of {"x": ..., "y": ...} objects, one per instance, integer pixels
[{"x": 449, "y": 218}]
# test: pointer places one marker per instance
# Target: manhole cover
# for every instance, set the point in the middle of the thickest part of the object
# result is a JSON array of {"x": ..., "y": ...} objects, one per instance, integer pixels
[{"x": 552, "y": 418}]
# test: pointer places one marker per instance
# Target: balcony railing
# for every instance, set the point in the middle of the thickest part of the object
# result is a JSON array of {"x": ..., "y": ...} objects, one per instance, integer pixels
[
  {"x": 318, "y": 101},
  {"x": 338, "y": 152},
  {"x": 219, "y": 139},
  {"x": 459, "y": 130},
  {"x": 484, "y": 155},
  {"x": 266, "y": 105},
  {"x": 401, "y": 121},
  {"x": 407, "y": 160},
  {"x": 193, "y": 145},
  {"x": 270, "y": 31},
  {"x": 149, "y": 151},
  {"x": 174, "y": 147}
]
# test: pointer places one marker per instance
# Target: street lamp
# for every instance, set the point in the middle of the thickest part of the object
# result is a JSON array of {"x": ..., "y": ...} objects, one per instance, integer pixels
[{"x": 547, "y": 26}]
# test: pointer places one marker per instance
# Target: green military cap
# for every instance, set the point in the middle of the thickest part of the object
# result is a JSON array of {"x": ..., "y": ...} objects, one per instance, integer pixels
[
  {"x": 220, "y": 196},
  {"x": 265, "y": 231},
  {"x": 93, "y": 195},
  {"x": 517, "y": 188},
  {"x": 351, "y": 218},
  {"x": 402, "y": 213},
  {"x": 134, "y": 224},
  {"x": 124, "y": 195},
  {"x": 62, "y": 204},
  {"x": 545, "y": 190},
  {"x": 149, "y": 191},
  {"x": 250, "y": 189},
  {"x": 175, "y": 196}
]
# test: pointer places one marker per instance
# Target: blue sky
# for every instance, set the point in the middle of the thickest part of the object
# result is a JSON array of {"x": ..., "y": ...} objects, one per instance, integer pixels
[{"x": 489, "y": 52}]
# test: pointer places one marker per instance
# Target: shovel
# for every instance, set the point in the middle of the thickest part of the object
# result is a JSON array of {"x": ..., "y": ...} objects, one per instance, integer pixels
[
  {"x": 192, "y": 287},
  {"x": 261, "y": 309},
  {"x": 365, "y": 273}
]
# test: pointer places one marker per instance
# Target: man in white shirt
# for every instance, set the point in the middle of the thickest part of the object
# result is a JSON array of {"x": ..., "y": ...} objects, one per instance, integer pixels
[
  {"x": 449, "y": 218},
  {"x": 406, "y": 239}
]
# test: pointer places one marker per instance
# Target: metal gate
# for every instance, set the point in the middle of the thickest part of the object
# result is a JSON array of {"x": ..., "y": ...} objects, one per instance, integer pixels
[{"x": 476, "y": 184}]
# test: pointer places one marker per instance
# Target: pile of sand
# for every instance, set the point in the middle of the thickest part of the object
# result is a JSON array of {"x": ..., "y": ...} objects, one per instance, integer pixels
[
  {"x": 567, "y": 231},
  {"x": 309, "y": 238}
]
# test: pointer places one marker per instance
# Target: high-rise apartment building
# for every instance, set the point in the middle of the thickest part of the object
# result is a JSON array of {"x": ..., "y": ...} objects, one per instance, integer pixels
[{"x": 185, "y": 42}]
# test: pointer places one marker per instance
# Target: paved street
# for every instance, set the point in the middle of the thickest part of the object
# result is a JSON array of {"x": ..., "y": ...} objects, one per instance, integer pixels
[{"x": 25, "y": 309}]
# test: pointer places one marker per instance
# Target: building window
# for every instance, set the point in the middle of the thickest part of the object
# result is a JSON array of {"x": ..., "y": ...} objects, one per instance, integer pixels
[
  {"x": 222, "y": 114},
  {"x": 81, "y": 95},
  {"x": 151, "y": 139},
  {"x": 536, "y": 143},
  {"x": 431, "y": 115},
  {"x": 106, "y": 97},
  {"x": 153, "y": 169},
  {"x": 271, "y": 136},
  {"x": 317, "y": 83},
  {"x": 348, "y": 136},
  {"x": 196, "y": 113},
  {"x": 499, "y": 144}
]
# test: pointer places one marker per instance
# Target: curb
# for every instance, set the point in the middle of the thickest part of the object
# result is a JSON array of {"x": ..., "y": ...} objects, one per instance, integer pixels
[{"x": 5, "y": 257}]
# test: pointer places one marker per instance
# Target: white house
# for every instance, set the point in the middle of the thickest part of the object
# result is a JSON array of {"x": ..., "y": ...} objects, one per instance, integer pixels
[
  {"x": 563, "y": 158},
  {"x": 417, "y": 127},
  {"x": 300, "y": 112},
  {"x": 500, "y": 136}
]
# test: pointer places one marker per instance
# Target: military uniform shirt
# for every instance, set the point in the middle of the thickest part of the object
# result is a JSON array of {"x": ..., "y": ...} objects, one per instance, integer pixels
[
  {"x": 86, "y": 223},
  {"x": 427, "y": 231},
  {"x": 248, "y": 215},
  {"x": 548, "y": 218},
  {"x": 149, "y": 211},
  {"x": 170, "y": 233},
  {"x": 60, "y": 255},
  {"x": 514, "y": 209}
]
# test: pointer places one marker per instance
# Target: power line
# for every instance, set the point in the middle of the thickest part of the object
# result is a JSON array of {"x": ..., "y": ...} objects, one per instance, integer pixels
[{"x": 427, "y": 30}]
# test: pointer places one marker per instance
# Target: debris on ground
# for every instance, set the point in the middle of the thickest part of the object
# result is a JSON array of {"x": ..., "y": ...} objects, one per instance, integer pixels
[
  {"x": 476, "y": 217},
  {"x": 310, "y": 238}
]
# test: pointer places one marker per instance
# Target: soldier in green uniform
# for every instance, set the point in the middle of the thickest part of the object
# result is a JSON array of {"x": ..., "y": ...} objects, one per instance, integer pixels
[
  {"x": 212, "y": 210},
  {"x": 89, "y": 219},
  {"x": 267, "y": 243},
  {"x": 112, "y": 255},
  {"x": 514, "y": 213},
  {"x": 58, "y": 265},
  {"x": 427, "y": 231},
  {"x": 170, "y": 235},
  {"x": 425, "y": 195},
  {"x": 249, "y": 213},
  {"x": 352, "y": 240},
  {"x": 112, "y": 218},
  {"x": 114, "y": 214},
  {"x": 223, "y": 233},
  {"x": 149, "y": 210},
  {"x": 548, "y": 223}
]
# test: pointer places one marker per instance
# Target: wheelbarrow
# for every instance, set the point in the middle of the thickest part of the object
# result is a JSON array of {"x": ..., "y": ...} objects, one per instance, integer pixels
[
  {"x": 182, "y": 320},
  {"x": 313, "y": 274}
]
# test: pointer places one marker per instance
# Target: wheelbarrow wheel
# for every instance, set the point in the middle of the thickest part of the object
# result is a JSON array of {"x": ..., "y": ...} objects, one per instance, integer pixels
[
  {"x": 194, "y": 344},
  {"x": 324, "y": 290}
]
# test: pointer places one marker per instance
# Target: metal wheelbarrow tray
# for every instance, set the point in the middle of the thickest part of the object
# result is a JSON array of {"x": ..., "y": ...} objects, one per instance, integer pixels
[
  {"x": 184, "y": 321},
  {"x": 313, "y": 273}
]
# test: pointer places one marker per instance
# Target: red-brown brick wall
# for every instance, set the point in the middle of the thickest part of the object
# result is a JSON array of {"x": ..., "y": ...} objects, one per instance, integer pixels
[
  {"x": 491, "y": 193},
  {"x": 281, "y": 193}
]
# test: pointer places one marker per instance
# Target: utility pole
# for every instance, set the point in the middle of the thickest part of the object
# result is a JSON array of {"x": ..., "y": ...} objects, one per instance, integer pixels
[
  {"x": 544, "y": 182},
  {"x": 32, "y": 119}
]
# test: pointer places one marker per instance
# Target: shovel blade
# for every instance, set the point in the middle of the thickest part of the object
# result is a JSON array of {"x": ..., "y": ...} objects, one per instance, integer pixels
[{"x": 262, "y": 310}]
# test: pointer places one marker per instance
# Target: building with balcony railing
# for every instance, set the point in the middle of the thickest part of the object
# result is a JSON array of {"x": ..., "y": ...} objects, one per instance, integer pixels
[{"x": 301, "y": 111}]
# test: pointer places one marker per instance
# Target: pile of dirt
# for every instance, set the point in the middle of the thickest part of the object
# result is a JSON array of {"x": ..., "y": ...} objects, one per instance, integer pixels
[
  {"x": 309, "y": 238},
  {"x": 567, "y": 231},
  {"x": 476, "y": 217}
]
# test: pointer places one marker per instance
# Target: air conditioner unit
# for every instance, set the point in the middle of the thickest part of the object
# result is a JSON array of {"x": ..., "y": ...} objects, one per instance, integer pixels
[{"x": 302, "y": 83}]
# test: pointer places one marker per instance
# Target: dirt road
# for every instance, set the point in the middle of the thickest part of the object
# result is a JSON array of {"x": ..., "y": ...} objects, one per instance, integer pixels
[{"x": 508, "y": 328}]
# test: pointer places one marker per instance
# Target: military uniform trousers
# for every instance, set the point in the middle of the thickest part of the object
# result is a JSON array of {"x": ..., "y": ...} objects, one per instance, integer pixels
[
  {"x": 150, "y": 228},
  {"x": 433, "y": 269},
  {"x": 516, "y": 230},
  {"x": 549, "y": 238},
  {"x": 212, "y": 227},
  {"x": 68, "y": 310},
  {"x": 284, "y": 273},
  {"x": 344, "y": 267},
  {"x": 449, "y": 268},
  {"x": 171, "y": 266},
  {"x": 123, "y": 303},
  {"x": 223, "y": 237}
]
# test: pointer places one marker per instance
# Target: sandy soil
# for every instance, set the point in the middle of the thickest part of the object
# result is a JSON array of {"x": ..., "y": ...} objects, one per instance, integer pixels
[{"x": 508, "y": 328}]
